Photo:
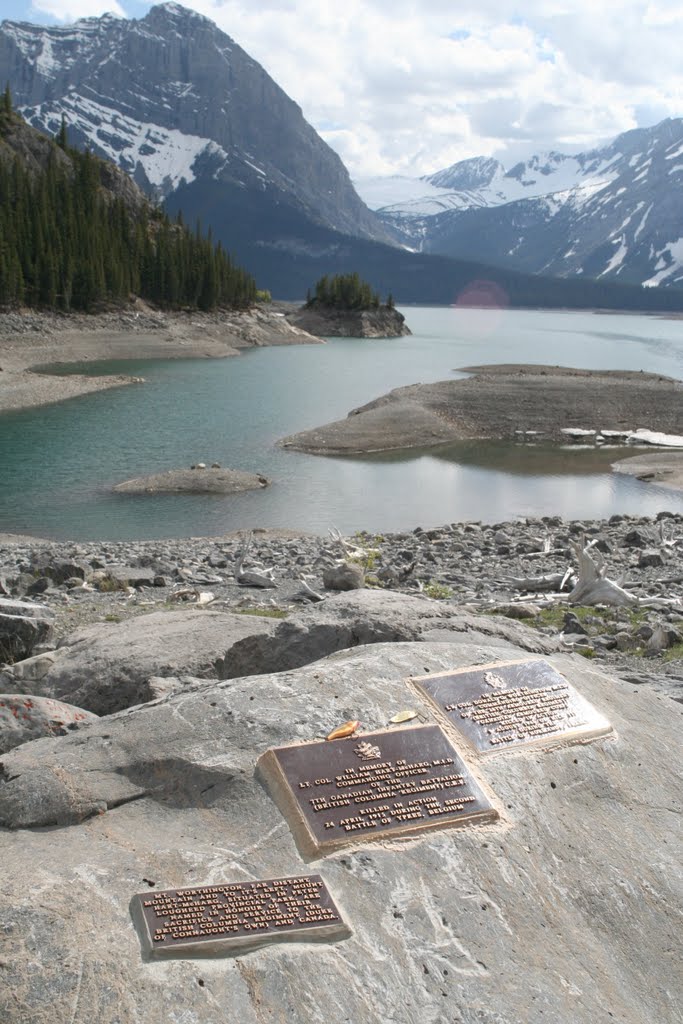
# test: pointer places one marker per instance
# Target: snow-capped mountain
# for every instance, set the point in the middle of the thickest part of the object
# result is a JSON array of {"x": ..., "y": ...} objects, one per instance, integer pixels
[
  {"x": 614, "y": 212},
  {"x": 175, "y": 101}
]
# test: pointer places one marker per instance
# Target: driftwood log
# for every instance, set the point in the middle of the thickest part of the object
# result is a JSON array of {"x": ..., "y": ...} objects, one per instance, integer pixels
[
  {"x": 256, "y": 577},
  {"x": 592, "y": 586}
]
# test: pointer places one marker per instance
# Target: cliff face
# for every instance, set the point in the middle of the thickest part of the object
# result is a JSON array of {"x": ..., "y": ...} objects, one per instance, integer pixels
[{"x": 174, "y": 100}]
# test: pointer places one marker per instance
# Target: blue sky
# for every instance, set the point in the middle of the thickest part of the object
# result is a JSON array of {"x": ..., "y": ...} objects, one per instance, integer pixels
[{"x": 411, "y": 86}]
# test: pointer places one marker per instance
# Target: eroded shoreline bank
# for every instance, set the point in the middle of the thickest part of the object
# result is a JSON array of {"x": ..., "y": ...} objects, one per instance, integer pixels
[{"x": 31, "y": 339}]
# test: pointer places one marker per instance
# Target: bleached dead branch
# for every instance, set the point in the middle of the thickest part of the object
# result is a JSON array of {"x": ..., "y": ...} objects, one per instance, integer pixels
[
  {"x": 592, "y": 586},
  {"x": 256, "y": 577}
]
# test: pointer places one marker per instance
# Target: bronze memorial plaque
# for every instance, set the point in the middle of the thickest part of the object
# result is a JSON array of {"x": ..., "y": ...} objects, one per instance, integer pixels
[
  {"x": 232, "y": 918},
  {"x": 392, "y": 783},
  {"x": 512, "y": 704}
]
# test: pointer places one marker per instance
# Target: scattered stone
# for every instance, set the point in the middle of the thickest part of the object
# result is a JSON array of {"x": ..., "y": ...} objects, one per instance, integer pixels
[{"x": 460, "y": 560}]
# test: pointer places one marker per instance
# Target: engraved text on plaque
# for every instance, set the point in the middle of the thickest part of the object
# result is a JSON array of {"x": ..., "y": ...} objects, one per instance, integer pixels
[
  {"x": 224, "y": 919},
  {"x": 392, "y": 783},
  {"x": 512, "y": 704}
]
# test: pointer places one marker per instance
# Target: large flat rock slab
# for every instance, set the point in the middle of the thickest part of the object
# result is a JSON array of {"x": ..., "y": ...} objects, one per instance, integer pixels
[
  {"x": 563, "y": 911},
  {"x": 200, "y": 480},
  {"x": 111, "y": 665},
  {"x": 368, "y": 617}
]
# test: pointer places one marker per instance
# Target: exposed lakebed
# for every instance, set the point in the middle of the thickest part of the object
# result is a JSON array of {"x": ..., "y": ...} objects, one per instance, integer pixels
[{"x": 61, "y": 462}]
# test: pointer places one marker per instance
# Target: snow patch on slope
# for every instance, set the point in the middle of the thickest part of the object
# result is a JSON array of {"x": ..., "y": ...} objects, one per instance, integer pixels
[
  {"x": 670, "y": 262},
  {"x": 166, "y": 155}
]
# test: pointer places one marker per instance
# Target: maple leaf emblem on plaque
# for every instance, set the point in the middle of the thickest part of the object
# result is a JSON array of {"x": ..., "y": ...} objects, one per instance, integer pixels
[
  {"x": 367, "y": 752},
  {"x": 493, "y": 679}
]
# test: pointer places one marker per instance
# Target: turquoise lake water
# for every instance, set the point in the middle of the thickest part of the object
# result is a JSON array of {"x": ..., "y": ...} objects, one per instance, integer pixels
[{"x": 59, "y": 463}]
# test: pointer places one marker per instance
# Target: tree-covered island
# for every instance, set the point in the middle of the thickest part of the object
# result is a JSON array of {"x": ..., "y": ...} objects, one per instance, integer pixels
[{"x": 344, "y": 305}]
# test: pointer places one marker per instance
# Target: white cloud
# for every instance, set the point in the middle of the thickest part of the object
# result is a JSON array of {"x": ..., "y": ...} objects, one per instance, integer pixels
[
  {"x": 409, "y": 86},
  {"x": 72, "y": 10}
]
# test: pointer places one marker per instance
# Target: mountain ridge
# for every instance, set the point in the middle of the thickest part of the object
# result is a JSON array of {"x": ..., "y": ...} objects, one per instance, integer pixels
[
  {"x": 158, "y": 93},
  {"x": 609, "y": 212},
  {"x": 174, "y": 100}
]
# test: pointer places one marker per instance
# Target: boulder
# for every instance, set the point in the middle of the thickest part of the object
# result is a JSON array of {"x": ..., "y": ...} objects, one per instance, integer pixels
[
  {"x": 24, "y": 718},
  {"x": 23, "y": 626},
  {"x": 367, "y": 617},
  {"x": 564, "y": 910},
  {"x": 108, "y": 666},
  {"x": 347, "y": 576}
]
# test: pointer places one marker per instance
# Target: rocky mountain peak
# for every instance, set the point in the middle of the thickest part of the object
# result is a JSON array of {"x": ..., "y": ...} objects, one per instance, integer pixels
[
  {"x": 172, "y": 99},
  {"x": 477, "y": 172},
  {"x": 614, "y": 211}
]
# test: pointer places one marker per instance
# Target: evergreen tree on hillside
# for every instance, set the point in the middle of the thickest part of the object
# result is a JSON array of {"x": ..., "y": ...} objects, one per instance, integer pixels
[{"x": 66, "y": 243}]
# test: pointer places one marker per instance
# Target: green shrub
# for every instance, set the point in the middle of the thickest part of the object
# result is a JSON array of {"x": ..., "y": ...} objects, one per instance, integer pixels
[{"x": 437, "y": 591}]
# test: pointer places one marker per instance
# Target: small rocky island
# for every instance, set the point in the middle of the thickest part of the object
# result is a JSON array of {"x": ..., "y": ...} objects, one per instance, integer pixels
[
  {"x": 346, "y": 307},
  {"x": 197, "y": 479}
]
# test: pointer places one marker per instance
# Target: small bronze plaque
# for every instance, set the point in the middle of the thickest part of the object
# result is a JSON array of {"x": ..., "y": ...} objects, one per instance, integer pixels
[
  {"x": 227, "y": 919},
  {"x": 513, "y": 704},
  {"x": 381, "y": 784}
]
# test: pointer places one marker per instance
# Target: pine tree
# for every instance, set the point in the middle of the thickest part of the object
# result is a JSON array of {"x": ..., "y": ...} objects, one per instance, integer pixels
[{"x": 60, "y": 137}]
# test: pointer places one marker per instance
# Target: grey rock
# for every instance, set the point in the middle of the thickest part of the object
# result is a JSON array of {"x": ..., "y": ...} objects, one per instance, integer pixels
[
  {"x": 23, "y": 626},
  {"x": 39, "y": 586},
  {"x": 502, "y": 924},
  {"x": 347, "y": 576},
  {"x": 59, "y": 571},
  {"x": 573, "y": 625},
  {"x": 624, "y": 641},
  {"x": 636, "y": 539},
  {"x": 650, "y": 557},
  {"x": 366, "y": 617},
  {"x": 127, "y": 576},
  {"x": 108, "y": 666},
  {"x": 518, "y": 611},
  {"x": 27, "y": 717}
]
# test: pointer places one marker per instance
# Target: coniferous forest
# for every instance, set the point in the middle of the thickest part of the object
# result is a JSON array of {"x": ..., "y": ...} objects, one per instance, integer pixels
[
  {"x": 68, "y": 243},
  {"x": 345, "y": 291}
]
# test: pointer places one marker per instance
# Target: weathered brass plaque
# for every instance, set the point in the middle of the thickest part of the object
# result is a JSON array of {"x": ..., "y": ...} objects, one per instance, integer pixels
[
  {"x": 398, "y": 782},
  {"x": 231, "y": 918},
  {"x": 512, "y": 704}
]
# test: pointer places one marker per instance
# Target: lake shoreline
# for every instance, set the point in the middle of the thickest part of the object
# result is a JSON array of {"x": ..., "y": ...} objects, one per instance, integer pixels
[
  {"x": 514, "y": 569},
  {"x": 30, "y": 340}
]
